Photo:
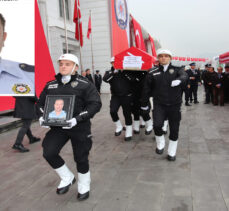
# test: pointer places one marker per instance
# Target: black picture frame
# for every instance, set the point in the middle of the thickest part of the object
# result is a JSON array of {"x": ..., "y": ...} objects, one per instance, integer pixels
[{"x": 58, "y": 109}]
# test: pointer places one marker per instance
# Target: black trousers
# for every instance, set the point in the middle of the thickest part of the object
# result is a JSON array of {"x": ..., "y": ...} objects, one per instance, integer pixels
[
  {"x": 136, "y": 110},
  {"x": 186, "y": 94},
  {"x": 163, "y": 112},
  {"x": 126, "y": 103},
  {"x": 98, "y": 87},
  {"x": 218, "y": 95},
  {"x": 56, "y": 138},
  {"x": 193, "y": 92},
  {"x": 209, "y": 94},
  {"x": 25, "y": 129}
]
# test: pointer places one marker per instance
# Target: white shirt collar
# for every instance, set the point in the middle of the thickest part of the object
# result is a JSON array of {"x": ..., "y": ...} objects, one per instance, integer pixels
[{"x": 165, "y": 67}]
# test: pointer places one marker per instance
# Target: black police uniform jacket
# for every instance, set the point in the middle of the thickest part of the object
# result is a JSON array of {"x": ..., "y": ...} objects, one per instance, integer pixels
[
  {"x": 98, "y": 80},
  {"x": 120, "y": 83},
  {"x": 25, "y": 107},
  {"x": 87, "y": 99},
  {"x": 158, "y": 84},
  {"x": 196, "y": 75}
]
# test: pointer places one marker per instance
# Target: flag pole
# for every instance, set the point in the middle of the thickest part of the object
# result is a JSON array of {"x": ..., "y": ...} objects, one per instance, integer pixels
[
  {"x": 78, "y": 25},
  {"x": 92, "y": 56},
  {"x": 65, "y": 27}
]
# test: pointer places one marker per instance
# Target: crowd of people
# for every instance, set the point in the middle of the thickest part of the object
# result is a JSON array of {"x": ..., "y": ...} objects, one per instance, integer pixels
[{"x": 216, "y": 84}]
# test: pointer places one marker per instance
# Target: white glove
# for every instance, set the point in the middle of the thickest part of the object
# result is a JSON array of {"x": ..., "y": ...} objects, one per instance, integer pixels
[
  {"x": 115, "y": 71},
  {"x": 72, "y": 122},
  {"x": 175, "y": 83},
  {"x": 41, "y": 121},
  {"x": 145, "y": 108}
]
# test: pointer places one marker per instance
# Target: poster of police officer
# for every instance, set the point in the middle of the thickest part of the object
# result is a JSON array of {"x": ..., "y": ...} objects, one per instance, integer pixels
[{"x": 17, "y": 48}]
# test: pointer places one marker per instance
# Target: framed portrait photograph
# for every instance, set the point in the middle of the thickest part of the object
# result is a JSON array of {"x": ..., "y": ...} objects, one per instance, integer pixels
[{"x": 58, "y": 109}]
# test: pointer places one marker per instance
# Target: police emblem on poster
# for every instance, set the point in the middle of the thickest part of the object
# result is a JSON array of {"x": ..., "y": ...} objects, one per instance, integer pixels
[
  {"x": 21, "y": 89},
  {"x": 121, "y": 13},
  {"x": 171, "y": 71}
]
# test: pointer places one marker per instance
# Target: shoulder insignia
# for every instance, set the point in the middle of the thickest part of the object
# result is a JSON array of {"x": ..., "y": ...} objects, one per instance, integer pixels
[{"x": 26, "y": 67}]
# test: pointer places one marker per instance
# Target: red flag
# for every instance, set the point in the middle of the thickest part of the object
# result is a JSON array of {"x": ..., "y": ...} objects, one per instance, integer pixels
[
  {"x": 78, "y": 22},
  {"x": 152, "y": 46},
  {"x": 139, "y": 41},
  {"x": 89, "y": 28}
]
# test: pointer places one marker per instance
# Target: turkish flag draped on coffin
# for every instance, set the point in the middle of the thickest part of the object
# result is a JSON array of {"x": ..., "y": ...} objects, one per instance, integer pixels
[{"x": 133, "y": 59}]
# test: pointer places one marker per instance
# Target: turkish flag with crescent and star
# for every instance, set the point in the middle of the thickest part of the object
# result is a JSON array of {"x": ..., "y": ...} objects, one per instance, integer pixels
[
  {"x": 139, "y": 41},
  {"x": 78, "y": 22}
]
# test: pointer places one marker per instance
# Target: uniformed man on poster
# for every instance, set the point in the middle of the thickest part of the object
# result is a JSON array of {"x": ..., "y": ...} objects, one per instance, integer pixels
[
  {"x": 87, "y": 104},
  {"x": 15, "y": 78},
  {"x": 165, "y": 83}
]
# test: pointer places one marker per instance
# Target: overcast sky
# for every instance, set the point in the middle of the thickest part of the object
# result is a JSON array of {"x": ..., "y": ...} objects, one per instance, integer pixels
[{"x": 195, "y": 28}]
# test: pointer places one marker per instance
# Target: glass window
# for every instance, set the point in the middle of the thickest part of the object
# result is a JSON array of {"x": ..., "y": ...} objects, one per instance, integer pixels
[{"x": 61, "y": 6}]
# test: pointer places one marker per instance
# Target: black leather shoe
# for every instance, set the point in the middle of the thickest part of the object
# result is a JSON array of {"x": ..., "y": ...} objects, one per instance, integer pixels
[
  {"x": 171, "y": 158},
  {"x": 128, "y": 138},
  {"x": 159, "y": 151},
  {"x": 206, "y": 103},
  {"x": 34, "y": 139},
  {"x": 118, "y": 133},
  {"x": 142, "y": 126},
  {"x": 187, "y": 104},
  {"x": 66, "y": 188},
  {"x": 196, "y": 102},
  {"x": 136, "y": 131},
  {"x": 20, "y": 148},
  {"x": 148, "y": 132},
  {"x": 82, "y": 197}
]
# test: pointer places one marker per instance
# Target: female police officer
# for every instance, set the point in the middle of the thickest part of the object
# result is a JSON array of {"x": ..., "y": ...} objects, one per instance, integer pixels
[{"x": 87, "y": 104}]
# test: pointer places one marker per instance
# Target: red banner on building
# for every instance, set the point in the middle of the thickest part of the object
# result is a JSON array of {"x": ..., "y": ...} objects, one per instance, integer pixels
[
  {"x": 139, "y": 40},
  {"x": 153, "y": 49},
  {"x": 119, "y": 26}
]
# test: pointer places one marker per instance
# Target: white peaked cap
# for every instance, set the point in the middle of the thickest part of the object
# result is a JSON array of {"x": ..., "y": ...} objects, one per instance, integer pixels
[
  {"x": 69, "y": 57},
  {"x": 164, "y": 51}
]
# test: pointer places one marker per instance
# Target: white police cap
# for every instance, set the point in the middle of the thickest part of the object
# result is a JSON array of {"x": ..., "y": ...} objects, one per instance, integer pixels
[
  {"x": 69, "y": 57},
  {"x": 164, "y": 51},
  {"x": 112, "y": 59}
]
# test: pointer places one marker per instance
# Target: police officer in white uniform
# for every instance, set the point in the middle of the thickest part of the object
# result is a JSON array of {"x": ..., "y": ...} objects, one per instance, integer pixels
[{"x": 15, "y": 78}]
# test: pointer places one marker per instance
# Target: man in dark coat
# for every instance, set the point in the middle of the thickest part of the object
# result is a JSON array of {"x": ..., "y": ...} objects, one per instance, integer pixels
[
  {"x": 25, "y": 109},
  {"x": 88, "y": 75},
  {"x": 98, "y": 80},
  {"x": 194, "y": 81},
  {"x": 218, "y": 86},
  {"x": 226, "y": 84}
]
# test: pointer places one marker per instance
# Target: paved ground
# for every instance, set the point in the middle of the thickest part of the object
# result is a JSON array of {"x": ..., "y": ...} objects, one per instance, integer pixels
[{"x": 127, "y": 176}]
